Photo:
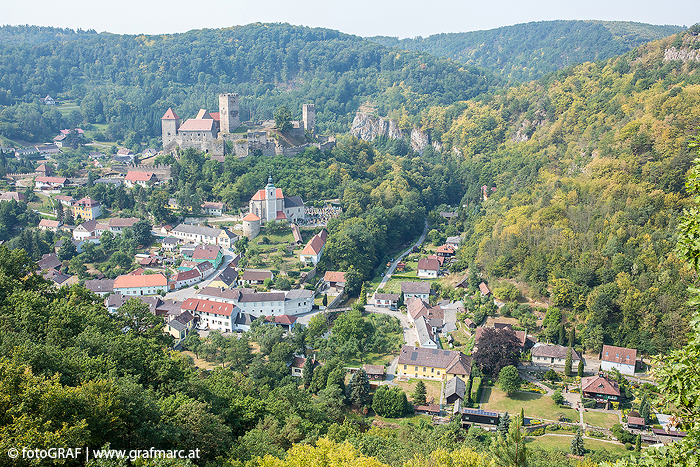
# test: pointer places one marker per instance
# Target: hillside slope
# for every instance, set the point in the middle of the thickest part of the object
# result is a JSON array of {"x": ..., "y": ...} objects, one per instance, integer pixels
[{"x": 524, "y": 52}]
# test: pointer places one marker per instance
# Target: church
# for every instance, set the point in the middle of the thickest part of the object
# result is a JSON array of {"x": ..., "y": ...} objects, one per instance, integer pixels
[{"x": 270, "y": 204}]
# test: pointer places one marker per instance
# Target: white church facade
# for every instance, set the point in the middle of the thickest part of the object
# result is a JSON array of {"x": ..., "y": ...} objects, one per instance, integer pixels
[{"x": 270, "y": 204}]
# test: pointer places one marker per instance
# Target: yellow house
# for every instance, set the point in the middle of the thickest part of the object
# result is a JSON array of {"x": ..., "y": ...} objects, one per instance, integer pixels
[
  {"x": 226, "y": 278},
  {"x": 88, "y": 209},
  {"x": 421, "y": 362}
]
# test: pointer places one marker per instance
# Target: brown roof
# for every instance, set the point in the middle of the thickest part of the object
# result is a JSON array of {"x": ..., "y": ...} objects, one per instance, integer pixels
[
  {"x": 636, "y": 421},
  {"x": 208, "y": 252},
  {"x": 143, "y": 280},
  {"x": 123, "y": 221},
  {"x": 430, "y": 264},
  {"x": 256, "y": 275},
  {"x": 415, "y": 287},
  {"x": 314, "y": 246},
  {"x": 622, "y": 355},
  {"x": 373, "y": 369},
  {"x": 296, "y": 233},
  {"x": 208, "y": 306},
  {"x": 261, "y": 297},
  {"x": 134, "y": 176},
  {"x": 422, "y": 356},
  {"x": 282, "y": 319},
  {"x": 446, "y": 249},
  {"x": 460, "y": 365},
  {"x": 484, "y": 289},
  {"x": 170, "y": 115},
  {"x": 48, "y": 223},
  {"x": 59, "y": 180},
  {"x": 387, "y": 296},
  {"x": 194, "y": 124},
  {"x": 553, "y": 351},
  {"x": 100, "y": 285},
  {"x": 298, "y": 362},
  {"x": 334, "y": 276},
  {"x": 87, "y": 202},
  {"x": 416, "y": 307},
  {"x": 228, "y": 294},
  {"x": 600, "y": 385},
  {"x": 185, "y": 275}
]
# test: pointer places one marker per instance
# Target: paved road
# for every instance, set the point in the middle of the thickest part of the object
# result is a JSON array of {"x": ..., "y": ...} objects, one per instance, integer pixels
[
  {"x": 190, "y": 292},
  {"x": 388, "y": 274}
]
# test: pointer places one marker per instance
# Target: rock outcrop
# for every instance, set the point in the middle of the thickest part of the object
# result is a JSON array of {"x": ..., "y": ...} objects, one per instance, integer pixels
[
  {"x": 367, "y": 127},
  {"x": 683, "y": 54}
]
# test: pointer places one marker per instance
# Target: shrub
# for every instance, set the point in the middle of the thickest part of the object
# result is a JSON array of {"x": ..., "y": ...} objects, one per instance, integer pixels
[
  {"x": 538, "y": 432},
  {"x": 557, "y": 397},
  {"x": 589, "y": 403},
  {"x": 629, "y": 446}
]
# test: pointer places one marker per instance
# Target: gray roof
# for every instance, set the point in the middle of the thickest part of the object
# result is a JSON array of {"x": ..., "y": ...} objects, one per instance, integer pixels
[
  {"x": 299, "y": 294},
  {"x": 261, "y": 297},
  {"x": 394, "y": 297},
  {"x": 48, "y": 261},
  {"x": 197, "y": 230},
  {"x": 415, "y": 287},
  {"x": 100, "y": 285},
  {"x": 455, "y": 386},
  {"x": 423, "y": 331},
  {"x": 170, "y": 240},
  {"x": 245, "y": 319},
  {"x": 422, "y": 356},
  {"x": 293, "y": 202},
  {"x": 184, "y": 317},
  {"x": 109, "y": 181},
  {"x": 228, "y": 276},
  {"x": 553, "y": 351},
  {"x": 226, "y": 294},
  {"x": 178, "y": 326},
  {"x": 256, "y": 275}
]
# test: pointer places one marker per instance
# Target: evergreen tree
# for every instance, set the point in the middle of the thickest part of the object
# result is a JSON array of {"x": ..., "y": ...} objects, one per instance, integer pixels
[
  {"x": 400, "y": 303},
  {"x": 510, "y": 450},
  {"x": 568, "y": 363},
  {"x": 645, "y": 409},
  {"x": 522, "y": 415},
  {"x": 580, "y": 368},
  {"x": 308, "y": 372},
  {"x": 363, "y": 294},
  {"x": 325, "y": 299},
  {"x": 561, "y": 334},
  {"x": 577, "y": 446},
  {"x": 359, "y": 388},
  {"x": 638, "y": 444},
  {"x": 572, "y": 336},
  {"x": 504, "y": 424},
  {"x": 419, "y": 393}
]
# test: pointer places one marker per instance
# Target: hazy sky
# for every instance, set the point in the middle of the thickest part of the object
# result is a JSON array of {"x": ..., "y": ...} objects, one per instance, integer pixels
[{"x": 406, "y": 18}]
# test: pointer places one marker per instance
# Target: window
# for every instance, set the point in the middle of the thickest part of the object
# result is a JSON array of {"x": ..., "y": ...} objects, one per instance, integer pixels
[
  {"x": 432, "y": 370},
  {"x": 404, "y": 367},
  {"x": 416, "y": 369},
  {"x": 423, "y": 369}
]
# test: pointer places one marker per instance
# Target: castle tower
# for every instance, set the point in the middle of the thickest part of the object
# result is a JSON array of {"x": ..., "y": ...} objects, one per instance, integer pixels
[
  {"x": 270, "y": 200},
  {"x": 228, "y": 112},
  {"x": 308, "y": 115},
  {"x": 169, "y": 124}
]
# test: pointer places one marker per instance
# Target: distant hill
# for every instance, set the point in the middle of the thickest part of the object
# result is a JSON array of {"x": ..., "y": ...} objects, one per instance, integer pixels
[{"x": 524, "y": 52}]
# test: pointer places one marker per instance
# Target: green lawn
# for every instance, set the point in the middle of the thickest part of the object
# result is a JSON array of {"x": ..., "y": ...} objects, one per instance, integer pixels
[
  {"x": 433, "y": 389},
  {"x": 535, "y": 405},
  {"x": 602, "y": 419},
  {"x": 564, "y": 443}
]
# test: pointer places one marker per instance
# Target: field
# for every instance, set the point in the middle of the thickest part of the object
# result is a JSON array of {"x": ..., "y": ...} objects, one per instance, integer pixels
[
  {"x": 602, "y": 419},
  {"x": 433, "y": 389},
  {"x": 563, "y": 443},
  {"x": 535, "y": 405}
]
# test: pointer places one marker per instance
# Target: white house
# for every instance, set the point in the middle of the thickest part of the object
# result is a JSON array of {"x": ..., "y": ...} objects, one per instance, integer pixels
[
  {"x": 212, "y": 315},
  {"x": 311, "y": 254},
  {"x": 145, "y": 284},
  {"x": 184, "y": 278},
  {"x": 415, "y": 289},
  {"x": 386, "y": 300},
  {"x": 428, "y": 267},
  {"x": 624, "y": 360},
  {"x": 258, "y": 304},
  {"x": 553, "y": 355},
  {"x": 426, "y": 338}
]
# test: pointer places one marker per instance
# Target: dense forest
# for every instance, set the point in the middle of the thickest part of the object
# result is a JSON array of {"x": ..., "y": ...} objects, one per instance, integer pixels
[
  {"x": 525, "y": 52},
  {"x": 129, "y": 82}
]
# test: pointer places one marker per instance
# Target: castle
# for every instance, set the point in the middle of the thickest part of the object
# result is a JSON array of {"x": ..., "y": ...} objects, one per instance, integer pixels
[{"x": 209, "y": 131}]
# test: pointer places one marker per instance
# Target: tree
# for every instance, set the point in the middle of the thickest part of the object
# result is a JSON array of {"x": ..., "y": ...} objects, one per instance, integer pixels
[
  {"x": 390, "y": 402},
  {"x": 353, "y": 280},
  {"x": 282, "y": 282},
  {"x": 510, "y": 450},
  {"x": 557, "y": 397},
  {"x": 497, "y": 348},
  {"x": 579, "y": 373},
  {"x": 142, "y": 232},
  {"x": 509, "y": 379},
  {"x": 577, "y": 446},
  {"x": 134, "y": 316},
  {"x": 359, "y": 388},
  {"x": 645, "y": 409},
  {"x": 363, "y": 294},
  {"x": 308, "y": 372},
  {"x": 400, "y": 303},
  {"x": 638, "y": 443},
  {"x": 419, "y": 393},
  {"x": 503, "y": 424},
  {"x": 568, "y": 363},
  {"x": 283, "y": 119},
  {"x": 67, "y": 250},
  {"x": 324, "y": 302},
  {"x": 572, "y": 336}
]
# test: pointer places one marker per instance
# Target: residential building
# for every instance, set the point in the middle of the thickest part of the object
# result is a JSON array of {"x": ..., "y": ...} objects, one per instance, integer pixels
[
  {"x": 119, "y": 224},
  {"x": 426, "y": 336},
  {"x": 185, "y": 278},
  {"x": 415, "y": 289},
  {"x": 620, "y": 358},
  {"x": 226, "y": 278},
  {"x": 169, "y": 243},
  {"x": 421, "y": 362},
  {"x": 553, "y": 355},
  {"x": 212, "y": 315},
  {"x": 87, "y": 209},
  {"x": 428, "y": 268},
  {"x": 478, "y": 416},
  {"x": 298, "y": 301},
  {"x": 292, "y": 302},
  {"x": 600, "y": 388},
  {"x": 179, "y": 326},
  {"x": 12, "y": 195},
  {"x": 484, "y": 289},
  {"x": 386, "y": 300},
  {"x": 100, "y": 287},
  {"x": 455, "y": 390},
  {"x": 46, "y": 224},
  {"x": 334, "y": 280},
  {"x": 445, "y": 251},
  {"x": 145, "y": 284},
  {"x": 255, "y": 277},
  {"x": 201, "y": 234},
  {"x": 311, "y": 254},
  {"x": 212, "y": 209},
  {"x": 86, "y": 230},
  {"x": 375, "y": 372},
  {"x": 50, "y": 183},
  {"x": 145, "y": 179},
  {"x": 211, "y": 253},
  {"x": 49, "y": 261}
]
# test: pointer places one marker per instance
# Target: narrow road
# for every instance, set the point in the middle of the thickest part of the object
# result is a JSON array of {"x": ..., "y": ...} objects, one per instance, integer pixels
[{"x": 392, "y": 268}]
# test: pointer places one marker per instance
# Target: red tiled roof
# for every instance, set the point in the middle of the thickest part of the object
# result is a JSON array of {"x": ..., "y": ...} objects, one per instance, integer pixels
[
  {"x": 446, "y": 249},
  {"x": 484, "y": 289},
  {"x": 334, "y": 276},
  {"x": 600, "y": 385},
  {"x": 144, "y": 280},
  {"x": 621, "y": 355},
  {"x": 170, "y": 115},
  {"x": 314, "y": 246},
  {"x": 282, "y": 319},
  {"x": 281, "y": 216},
  {"x": 185, "y": 275},
  {"x": 429, "y": 264},
  {"x": 207, "y": 306},
  {"x": 88, "y": 202},
  {"x": 215, "y": 115},
  {"x": 250, "y": 217},
  {"x": 194, "y": 124},
  {"x": 59, "y": 180},
  {"x": 260, "y": 194},
  {"x": 208, "y": 252},
  {"x": 203, "y": 114},
  {"x": 133, "y": 176}
]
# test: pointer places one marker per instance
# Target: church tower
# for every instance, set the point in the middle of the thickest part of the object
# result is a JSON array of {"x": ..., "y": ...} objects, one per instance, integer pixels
[
  {"x": 270, "y": 200},
  {"x": 228, "y": 112},
  {"x": 308, "y": 115},
  {"x": 169, "y": 125}
]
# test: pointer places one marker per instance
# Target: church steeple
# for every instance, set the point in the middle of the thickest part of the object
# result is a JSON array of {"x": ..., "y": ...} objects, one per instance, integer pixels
[{"x": 269, "y": 181}]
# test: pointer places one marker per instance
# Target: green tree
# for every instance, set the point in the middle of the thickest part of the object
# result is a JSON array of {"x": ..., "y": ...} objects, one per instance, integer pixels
[
  {"x": 557, "y": 397},
  {"x": 308, "y": 372},
  {"x": 577, "y": 446},
  {"x": 359, "y": 388},
  {"x": 510, "y": 450},
  {"x": 568, "y": 363},
  {"x": 363, "y": 294},
  {"x": 400, "y": 303},
  {"x": 389, "y": 401},
  {"x": 283, "y": 119},
  {"x": 324, "y": 301},
  {"x": 579, "y": 373},
  {"x": 638, "y": 443},
  {"x": 135, "y": 317},
  {"x": 509, "y": 379},
  {"x": 67, "y": 250},
  {"x": 282, "y": 282},
  {"x": 419, "y": 393},
  {"x": 142, "y": 233},
  {"x": 503, "y": 424}
]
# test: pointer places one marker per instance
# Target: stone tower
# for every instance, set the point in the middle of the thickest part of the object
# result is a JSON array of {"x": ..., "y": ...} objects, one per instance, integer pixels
[
  {"x": 169, "y": 125},
  {"x": 228, "y": 112},
  {"x": 308, "y": 112}
]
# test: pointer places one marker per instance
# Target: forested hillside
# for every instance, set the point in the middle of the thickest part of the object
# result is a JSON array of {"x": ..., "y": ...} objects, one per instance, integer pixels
[
  {"x": 129, "y": 81},
  {"x": 585, "y": 169},
  {"x": 524, "y": 52}
]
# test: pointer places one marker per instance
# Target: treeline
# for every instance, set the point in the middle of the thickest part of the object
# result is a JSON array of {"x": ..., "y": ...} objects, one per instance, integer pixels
[
  {"x": 129, "y": 81},
  {"x": 585, "y": 176},
  {"x": 525, "y": 52}
]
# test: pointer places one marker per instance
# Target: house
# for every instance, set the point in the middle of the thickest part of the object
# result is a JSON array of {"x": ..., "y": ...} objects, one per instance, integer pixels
[
  {"x": 298, "y": 301},
  {"x": 48, "y": 100},
  {"x": 297, "y": 366},
  {"x": 65, "y": 200},
  {"x": 428, "y": 268},
  {"x": 49, "y": 261},
  {"x": 445, "y": 251},
  {"x": 255, "y": 276},
  {"x": 636, "y": 423},
  {"x": 144, "y": 179},
  {"x": 226, "y": 278},
  {"x": 484, "y": 289},
  {"x": 48, "y": 149},
  {"x": 58, "y": 278},
  {"x": 334, "y": 280},
  {"x": 212, "y": 315},
  {"x": 46, "y": 224},
  {"x": 453, "y": 242},
  {"x": 227, "y": 239},
  {"x": 179, "y": 326},
  {"x": 430, "y": 409},
  {"x": 285, "y": 321},
  {"x": 263, "y": 303},
  {"x": 212, "y": 209},
  {"x": 478, "y": 416},
  {"x": 145, "y": 284},
  {"x": 205, "y": 268},
  {"x": 426, "y": 336},
  {"x": 449, "y": 215},
  {"x": 292, "y": 302},
  {"x": 386, "y": 300},
  {"x": 243, "y": 322},
  {"x": 87, "y": 209},
  {"x": 600, "y": 388},
  {"x": 86, "y": 230},
  {"x": 415, "y": 289},
  {"x": 100, "y": 287},
  {"x": 455, "y": 389},
  {"x": 622, "y": 359},
  {"x": 470, "y": 324},
  {"x": 553, "y": 355},
  {"x": 185, "y": 278},
  {"x": 201, "y": 234},
  {"x": 311, "y": 254},
  {"x": 421, "y": 362},
  {"x": 12, "y": 195},
  {"x": 169, "y": 243},
  {"x": 43, "y": 169},
  {"x": 375, "y": 372},
  {"x": 211, "y": 253},
  {"x": 50, "y": 183},
  {"x": 119, "y": 224}
]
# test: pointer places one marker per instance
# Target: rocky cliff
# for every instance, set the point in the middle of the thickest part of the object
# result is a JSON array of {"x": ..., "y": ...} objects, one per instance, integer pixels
[{"x": 368, "y": 127}]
